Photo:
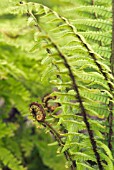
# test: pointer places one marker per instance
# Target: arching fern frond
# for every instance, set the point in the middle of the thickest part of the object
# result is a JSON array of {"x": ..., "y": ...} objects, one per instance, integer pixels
[{"x": 68, "y": 76}]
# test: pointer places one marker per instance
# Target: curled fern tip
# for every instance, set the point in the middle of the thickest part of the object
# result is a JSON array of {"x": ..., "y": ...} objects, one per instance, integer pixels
[{"x": 37, "y": 111}]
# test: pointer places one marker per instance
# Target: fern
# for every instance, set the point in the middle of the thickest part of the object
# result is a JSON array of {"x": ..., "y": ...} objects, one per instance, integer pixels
[
  {"x": 91, "y": 16},
  {"x": 44, "y": 49},
  {"x": 5, "y": 155},
  {"x": 9, "y": 159},
  {"x": 71, "y": 76}
]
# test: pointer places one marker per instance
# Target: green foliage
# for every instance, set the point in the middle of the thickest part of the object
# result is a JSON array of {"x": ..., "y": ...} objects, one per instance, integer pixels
[
  {"x": 93, "y": 19},
  {"x": 19, "y": 85},
  {"x": 43, "y": 50}
]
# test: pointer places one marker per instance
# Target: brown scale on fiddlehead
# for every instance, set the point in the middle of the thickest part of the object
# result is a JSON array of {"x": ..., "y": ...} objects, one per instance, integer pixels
[{"x": 47, "y": 103}]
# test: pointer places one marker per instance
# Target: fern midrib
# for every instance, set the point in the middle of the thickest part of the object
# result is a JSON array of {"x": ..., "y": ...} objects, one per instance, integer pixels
[
  {"x": 112, "y": 69},
  {"x": 61, "y": 143}
]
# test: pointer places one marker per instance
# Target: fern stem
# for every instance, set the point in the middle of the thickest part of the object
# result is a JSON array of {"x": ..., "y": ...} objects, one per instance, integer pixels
[
  {"x": 61, "y": 143},
  {"x": 90, "y": 132},
  {"x": 110, "y": 128},
  {"x": 112, "y": 69},
  {"x": 112, "y": 56}
]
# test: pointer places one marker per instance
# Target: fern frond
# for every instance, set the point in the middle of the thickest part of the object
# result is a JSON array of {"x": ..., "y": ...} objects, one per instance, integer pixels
[
  {"x": 104, "y": 51},
  {"x": 95, "y": 76},
  {"x": 6, "y": 130},
  {"x": 82, "y": 165},
  {"x": 99, "y": 23},
  {"x": 104, "y": 3},
  {"x": 9, "y": 159},
  {"x": 81, "y": 10},
  {"x": 102, "y": 37}
]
